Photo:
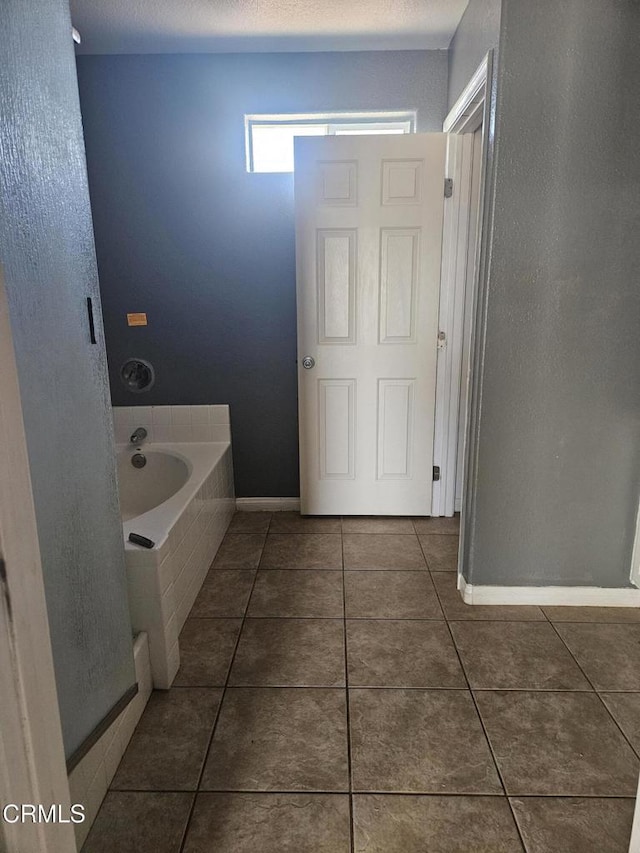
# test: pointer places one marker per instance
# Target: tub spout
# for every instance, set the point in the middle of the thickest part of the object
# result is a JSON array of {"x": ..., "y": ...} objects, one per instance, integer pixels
[{"x": 138, "y": 436}]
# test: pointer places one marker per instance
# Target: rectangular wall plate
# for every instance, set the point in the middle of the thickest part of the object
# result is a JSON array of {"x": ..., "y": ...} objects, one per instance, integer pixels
[{"x": 139, "y": 319}]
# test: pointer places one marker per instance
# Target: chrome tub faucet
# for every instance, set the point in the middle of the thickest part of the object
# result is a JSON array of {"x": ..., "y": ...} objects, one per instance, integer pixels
[{"x": 138, "y": 436}]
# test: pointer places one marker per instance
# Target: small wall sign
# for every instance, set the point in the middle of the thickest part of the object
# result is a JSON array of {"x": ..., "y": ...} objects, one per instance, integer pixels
[{"x": 137, "y": 319}]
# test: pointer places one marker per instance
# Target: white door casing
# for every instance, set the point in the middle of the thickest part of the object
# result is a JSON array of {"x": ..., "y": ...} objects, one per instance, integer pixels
[
  {"x": 369, "y": 216},
  {"x": 451, "y": 320}
]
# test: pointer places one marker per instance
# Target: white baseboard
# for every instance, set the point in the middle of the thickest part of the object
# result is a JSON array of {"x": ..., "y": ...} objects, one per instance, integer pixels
[
  {"x": 558, "y": 596},
  {"x": 268, "y": 504}
]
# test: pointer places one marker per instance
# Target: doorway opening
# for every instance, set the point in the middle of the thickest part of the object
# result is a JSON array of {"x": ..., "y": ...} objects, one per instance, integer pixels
[
  {"x": 470, "y": 125},
  {"x": 388, "y": 258}
]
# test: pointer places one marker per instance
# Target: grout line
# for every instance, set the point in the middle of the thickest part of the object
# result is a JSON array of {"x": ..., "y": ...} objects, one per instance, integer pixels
[
  {"x": 388, "y": 569},
  {"x": 346, "y": 682},
  {"x": 334, "y": 618},
  {"x": 389, "y": 532},
  {"x": 424, "y": 557},
  {"x": 305, "y": 533},
  {"x": 280, "y": 568},
  {"x": 218, "y": 713},
  {"x": 486, "y": 735},
  {"x": 285, "y": 569},
  {"x": 372, "y": 793},
  {"x": 289, "y": 618},
  {"x": 573, "y": 621},
  {"x": 332, "y": 532},
  {"x": 477, "y": 621},
  {"x": 599, "y": 623},
  {"x": 546, "y": 619},
  {"x": 438, "y": 533},
  {"x": 635, "y": 751},
  {"x": 624, "y": 692},
  {"x": 320, "y": 569},
  {"x": 425, "y": 688}
]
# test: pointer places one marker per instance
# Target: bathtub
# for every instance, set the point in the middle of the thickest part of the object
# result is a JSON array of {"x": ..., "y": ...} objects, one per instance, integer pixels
[
  {"x": 183, "y": 500},
  {"x": 166, "y": 473}
]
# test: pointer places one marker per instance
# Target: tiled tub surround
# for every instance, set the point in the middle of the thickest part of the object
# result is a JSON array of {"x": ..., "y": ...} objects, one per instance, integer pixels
[
  {"x": 335, "y": 697},
  {"x": 173, "y": 423},
  {"x": 90, "y": 779},
  {"x": 187, "y": 528}
]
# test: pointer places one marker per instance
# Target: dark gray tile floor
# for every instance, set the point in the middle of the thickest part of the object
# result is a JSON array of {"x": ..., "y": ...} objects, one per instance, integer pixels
[{"x": 336, "y": 695}]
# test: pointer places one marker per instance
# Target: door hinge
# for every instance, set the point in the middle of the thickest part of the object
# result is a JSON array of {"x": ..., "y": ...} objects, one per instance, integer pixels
[
  {"x": 436, "y": 473},
  {"x": 442, "y": 340},
  {"x": 448, "y": 187}
]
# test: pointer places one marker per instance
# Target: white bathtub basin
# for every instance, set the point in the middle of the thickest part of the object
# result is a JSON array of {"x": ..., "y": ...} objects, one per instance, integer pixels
[
  {"x": 143, "y": 489},
  {"x": 183, "y": 501},
  {"x": 164, "y": 509}
]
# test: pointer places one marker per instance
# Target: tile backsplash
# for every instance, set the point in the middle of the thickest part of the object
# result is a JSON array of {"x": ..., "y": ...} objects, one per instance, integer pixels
[{"x": 173, "y": 423}]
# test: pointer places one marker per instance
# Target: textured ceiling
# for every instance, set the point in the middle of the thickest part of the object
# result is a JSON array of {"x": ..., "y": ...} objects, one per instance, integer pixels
[{"x": 194, "y": 26}]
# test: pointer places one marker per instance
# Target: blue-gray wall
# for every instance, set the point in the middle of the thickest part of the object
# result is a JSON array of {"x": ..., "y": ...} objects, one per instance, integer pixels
[
  {"x": 477, "y": 33},
  {"x": 207, "y": 250},
  {"x": 555, "y": 477},
  {"x": 48, "y": 260}
]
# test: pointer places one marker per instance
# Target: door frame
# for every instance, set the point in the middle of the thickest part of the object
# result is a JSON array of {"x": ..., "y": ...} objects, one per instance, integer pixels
[
  {"x": 32, "y": 762},
  {"x": 471, "y": 110}
]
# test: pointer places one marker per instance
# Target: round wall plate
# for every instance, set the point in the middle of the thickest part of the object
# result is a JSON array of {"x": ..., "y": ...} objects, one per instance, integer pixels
[{"x": 137, "y": 375}]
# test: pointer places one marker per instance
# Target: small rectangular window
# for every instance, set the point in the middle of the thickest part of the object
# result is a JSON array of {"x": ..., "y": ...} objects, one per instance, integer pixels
[{"x": 269, "y": 138}]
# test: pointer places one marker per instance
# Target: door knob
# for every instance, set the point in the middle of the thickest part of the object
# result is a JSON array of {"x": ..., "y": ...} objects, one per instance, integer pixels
[{"x": 308, "y": 362}]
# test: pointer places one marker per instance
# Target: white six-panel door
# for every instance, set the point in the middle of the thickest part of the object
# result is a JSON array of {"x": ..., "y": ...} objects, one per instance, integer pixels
[{"x": 368, "y": 246}]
